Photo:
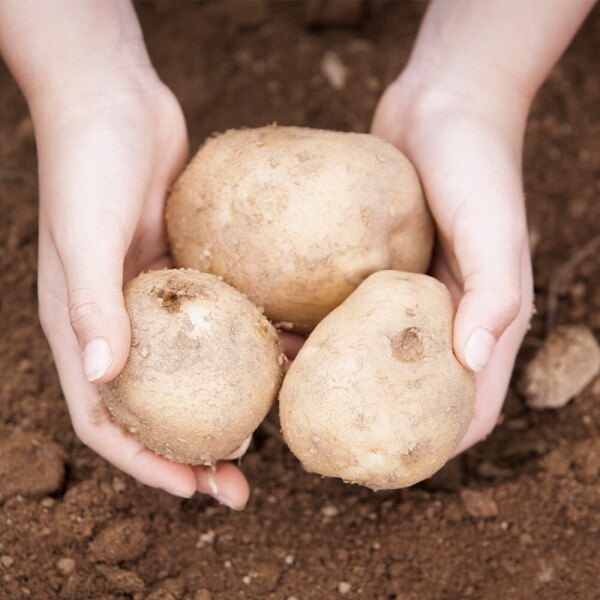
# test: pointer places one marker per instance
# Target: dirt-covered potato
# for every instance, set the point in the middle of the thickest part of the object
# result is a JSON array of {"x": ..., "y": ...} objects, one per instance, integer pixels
[
  {"x": 296, "y": 218},
  {"x": 376, "y": 395},
  {"x": 204, "y": 368}
]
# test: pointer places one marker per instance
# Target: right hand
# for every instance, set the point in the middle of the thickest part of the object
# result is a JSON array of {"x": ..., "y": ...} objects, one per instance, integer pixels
[{"x": 106, "y": 161}]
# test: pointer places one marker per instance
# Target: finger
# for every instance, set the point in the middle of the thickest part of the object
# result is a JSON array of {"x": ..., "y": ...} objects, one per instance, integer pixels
[
  {"x": 489, "y": 256},
  {"x": 101, "y": 434},
  {"x": 390, "y": 115},
  {"x": 493, "y": 382},
  {"x": 291, "y": 343},
  {"x": 96, "y": 309},
  {"x": 477, "y": 202},
  {"x": 225, "y": 483},
  {"x": 87, "y": 207}
]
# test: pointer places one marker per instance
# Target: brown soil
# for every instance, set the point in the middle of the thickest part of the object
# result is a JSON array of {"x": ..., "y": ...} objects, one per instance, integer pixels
[{"x": 517, "y": 517}]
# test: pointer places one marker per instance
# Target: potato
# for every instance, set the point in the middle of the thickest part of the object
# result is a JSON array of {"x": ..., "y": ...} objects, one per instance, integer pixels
[
  {"x": 296, "y": 218},
  {"x": 376, "y": 395},
  {"x": 204, "y": 368}
]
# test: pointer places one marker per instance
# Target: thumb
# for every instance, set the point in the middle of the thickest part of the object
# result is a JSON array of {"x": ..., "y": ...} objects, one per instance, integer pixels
[
  {"x": 91, "y": 191},
  {"x": 94, "y": 273},
  {"x": 473, "y": 184},
  {"x": 488, "y": 246}
]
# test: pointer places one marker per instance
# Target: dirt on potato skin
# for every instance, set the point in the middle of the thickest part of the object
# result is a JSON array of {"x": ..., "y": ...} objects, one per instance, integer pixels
[{"x": 517, "y": 517}]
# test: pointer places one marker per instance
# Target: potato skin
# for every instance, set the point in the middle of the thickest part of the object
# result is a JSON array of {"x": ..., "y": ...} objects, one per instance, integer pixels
[
  {"x": 296, "y": 218},
  {"x": 204, "y": 367},
  {"x": 376, "y": 395}
]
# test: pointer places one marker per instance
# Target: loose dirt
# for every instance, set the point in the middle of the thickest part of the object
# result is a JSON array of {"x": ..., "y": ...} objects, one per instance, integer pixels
[{"x": 517, "y": 517}]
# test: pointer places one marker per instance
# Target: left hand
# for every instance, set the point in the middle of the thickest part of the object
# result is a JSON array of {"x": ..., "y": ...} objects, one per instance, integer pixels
[{"x": 469, "y": 162}]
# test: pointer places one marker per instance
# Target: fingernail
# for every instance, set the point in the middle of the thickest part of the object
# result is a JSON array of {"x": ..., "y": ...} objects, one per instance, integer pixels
[
  {"x": 225, "y": 501},
  {"x": 179, "y": 493},
  {"x": 97, "y": 358},
  {"x": 479, "y": 349},
  {"x": 211, "y": 472}
]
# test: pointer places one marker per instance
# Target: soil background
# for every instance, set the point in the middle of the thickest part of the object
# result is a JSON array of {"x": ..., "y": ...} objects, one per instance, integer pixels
[{"x": 517, "y": 517}]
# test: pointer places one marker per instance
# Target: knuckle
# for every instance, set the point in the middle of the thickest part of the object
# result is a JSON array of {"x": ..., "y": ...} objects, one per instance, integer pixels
[
  {"x": 508, "y": 303},
  {"x": 83, "y": 309}
]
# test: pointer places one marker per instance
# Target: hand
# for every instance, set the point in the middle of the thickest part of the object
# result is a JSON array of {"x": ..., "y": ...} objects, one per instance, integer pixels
[
  {"x": 468, "y": 156},
  {"x": 106, "y": 161}
]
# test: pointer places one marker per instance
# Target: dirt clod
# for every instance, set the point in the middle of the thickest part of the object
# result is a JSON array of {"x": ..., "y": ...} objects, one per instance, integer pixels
[
  {"x": 566, "y": 363},
  {"x": 30, "y": 465},
  {"x": 120, "y": 541},
  {"x": 586, "y": 458},
  {"x": 556, "y": 463},
  {"x": 121, "y": 580}
]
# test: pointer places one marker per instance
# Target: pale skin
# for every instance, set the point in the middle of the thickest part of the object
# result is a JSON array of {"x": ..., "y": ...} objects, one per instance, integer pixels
[{"x": 111, "y": 138}]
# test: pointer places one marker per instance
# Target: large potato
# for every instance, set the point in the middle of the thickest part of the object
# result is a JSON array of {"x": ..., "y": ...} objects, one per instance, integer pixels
[
  {"x": 376, "y": 395},
  {"x": 296, "y": 218},
  {"x": 203, "y": 370}
]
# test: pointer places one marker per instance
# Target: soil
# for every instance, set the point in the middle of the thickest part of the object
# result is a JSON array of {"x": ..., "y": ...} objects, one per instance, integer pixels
[{"x": 517, "y": 517}]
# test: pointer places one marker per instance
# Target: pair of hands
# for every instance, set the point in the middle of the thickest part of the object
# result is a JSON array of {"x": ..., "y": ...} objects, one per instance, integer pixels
[{"x": 105, "y": 167}]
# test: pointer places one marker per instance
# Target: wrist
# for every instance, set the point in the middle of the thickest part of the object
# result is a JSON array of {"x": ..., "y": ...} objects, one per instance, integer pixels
[
  {"x": 439, "y": 85},
  {"x": 493, "y": 55},
  {"x": 420, "y": 107},
  {"x": 69, "y": 86},
  {"x": 66, "y": 52}
]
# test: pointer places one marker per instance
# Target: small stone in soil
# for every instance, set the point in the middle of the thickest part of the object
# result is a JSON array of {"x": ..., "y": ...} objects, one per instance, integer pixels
[
  {"x": 334, "y": 70},
  {"x": 47, "y": 502},
  {"x": 330, "y": 511},
  {"x": 206, "y": 539},
  {"x": 479, "y": 505},
  {"x": 65, "y": 565},
  {"x": 344, "y": 587},
  {"x": 6, "y": 561},
  {"x": 118, "y": 485},
  {"x": 564, "y": 365}
]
